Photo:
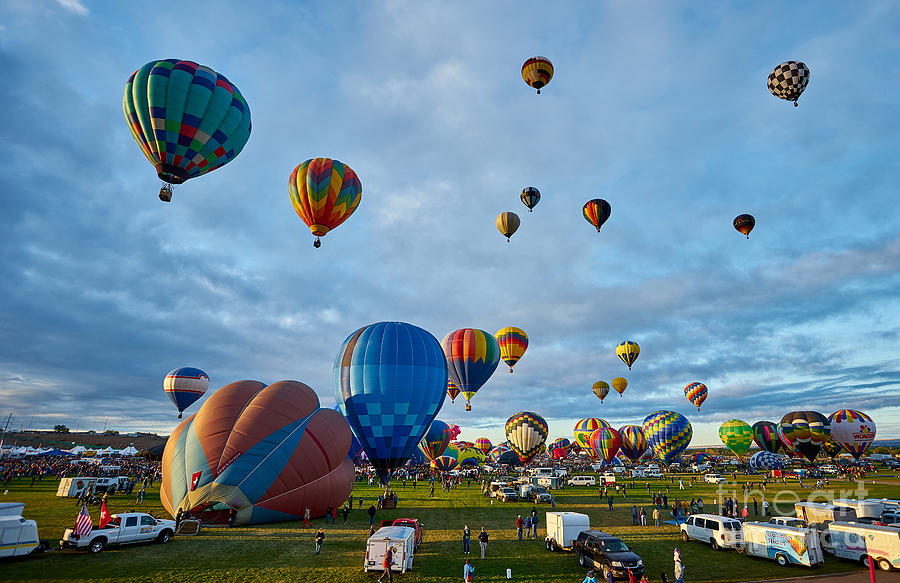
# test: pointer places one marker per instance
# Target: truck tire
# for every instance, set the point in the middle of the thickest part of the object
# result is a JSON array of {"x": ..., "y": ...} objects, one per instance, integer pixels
[
  {"x": 713, "y": 544},
  {"x": 553, "y": 547},
  {"x": 581, "y": 560},
  {"x": 97, "y": 545},
  {"x": 884, "y": 564},
  {"x": 782, "y": 560},
  {"x": 684, "y": 536},
  {"x": 164, "y": 536}
]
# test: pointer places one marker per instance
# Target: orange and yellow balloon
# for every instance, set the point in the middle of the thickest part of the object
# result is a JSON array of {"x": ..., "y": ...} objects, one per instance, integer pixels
[
  {"x": 324, "y": 193},
  {"x": 620, "y": 384},
  {"x": 537, "y": 72},
  {"x": 601, "y": 389},
  {"x": 513, "y": 344}
]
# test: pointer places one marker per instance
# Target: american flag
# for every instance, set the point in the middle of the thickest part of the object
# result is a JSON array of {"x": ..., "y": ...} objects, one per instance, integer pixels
[{"x": 83, "y": 523}]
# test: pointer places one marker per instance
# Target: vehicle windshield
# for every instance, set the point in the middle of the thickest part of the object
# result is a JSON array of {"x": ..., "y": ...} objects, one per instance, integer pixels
[{"x": 613, "y": 546}]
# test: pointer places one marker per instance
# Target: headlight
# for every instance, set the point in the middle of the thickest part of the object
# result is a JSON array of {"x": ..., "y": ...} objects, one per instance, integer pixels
[
  {"x": 617, "y": 564},
  {"x": 640, "y": 563}
]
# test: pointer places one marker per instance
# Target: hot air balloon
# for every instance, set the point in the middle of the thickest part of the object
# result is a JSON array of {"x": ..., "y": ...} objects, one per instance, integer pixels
[
  {"x": 700, "y": 457},
  {"x": 585, "y": 427},
  {"x": 805, "y": 432},
  {"x": 454, "y": 430},
  {"x": 765, "y": 434},
  {"x": 483, "y": 444},
  {"x": 620, "y": 384},
  {"x": 262, "y": 452},
  {"x": 324, "y": 193},
  {"x": 628, "y": 351},
  {"x": 559, "y": 453},
  {"x": 788, "y": 80},
  {"x": 470, "y": 456},
  {"x": 596, "y": 211},
  {"x": 696, "y": 394},
  {"x": 601, "y": 389},
  {"x": 513, "y": 343},
  {"x": 452, "y": 390},
  {"x": 507, "y": 224},
  {"x": 472, "y": 357},
  {"x": 530, "y": 197},
  {"x": 499, "y": 450},
  {"x": 668, "y": 434},
  {"x": 853, "y": 430},
  {"x": 832, "y": 448},
  {"x": 736, "y": 435},
  {"x": 765, "y": 460},
  {"x": 560, "y": 443},
  {"x": 786, "y": 446},
  {"x": 744, "y": 224},
  {"x": 526, "y": 432},
  {"x": 436, "y": 440},
  {"x": 444, "y": 464},
  {"x": 537, "y": 72},
  {"x": 634, "y": 442},
  {"x": 184, "y": 386},
  {"x": 390, "y": 379},
  {"x": 187, "y": 119},
  {"x": 452, "y": 450},
  {"x": 605, "y": 441}
]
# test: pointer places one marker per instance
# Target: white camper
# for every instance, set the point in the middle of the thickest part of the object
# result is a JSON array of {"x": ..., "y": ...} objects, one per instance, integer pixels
[
  {"x": 402, "y": 542},
  {"x": 563, "y": 528},
  {"x": 788, "y": 545},
  {"x": 73, "y": 487},
  {"x": 868, "y": 508},
  {"x": 821, "y": 515},
  {"x": 17, "y": 536},
  {"x": 856, "y": 541}
]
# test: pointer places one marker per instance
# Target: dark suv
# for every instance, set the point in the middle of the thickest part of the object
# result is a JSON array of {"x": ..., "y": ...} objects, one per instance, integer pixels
[{"x": 600, "y": 550}]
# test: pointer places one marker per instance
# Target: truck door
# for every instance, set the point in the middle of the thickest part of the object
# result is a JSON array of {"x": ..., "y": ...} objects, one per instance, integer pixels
[{"x": 130, "y": 531}]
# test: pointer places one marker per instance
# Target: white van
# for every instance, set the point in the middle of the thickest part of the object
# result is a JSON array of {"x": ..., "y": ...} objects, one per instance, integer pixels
[
  {"x": 788, "y": 545},
  {"x": 400, "y": 539},
  {"x": 857, "y": 542},
  {"x": 582, "y": 481},
  {"x": 714, "y": 479},
  {"x": 718, "y": 531},
  {"x": 821, "y": 515},
  {"x": 563, "y": 528},
  {"x": 17, "y": 536}
]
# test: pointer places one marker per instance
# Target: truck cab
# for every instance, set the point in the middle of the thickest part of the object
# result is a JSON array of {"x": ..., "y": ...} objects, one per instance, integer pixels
[
  {"x": 598, "y": 549},
  {"x": 125, "y": 528}
]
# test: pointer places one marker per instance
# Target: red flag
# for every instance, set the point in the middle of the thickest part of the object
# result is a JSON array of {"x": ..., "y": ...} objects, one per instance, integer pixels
[
  {"x": 105, "y": 516},
  {"x": 195, "y": 477},
  {"x": 83, "y": 523}
]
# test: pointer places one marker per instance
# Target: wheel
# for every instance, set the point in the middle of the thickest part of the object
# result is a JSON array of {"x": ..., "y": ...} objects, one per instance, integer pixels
[
  {"x": 781, "y": 560},
  {"x": 605, "y": 571},
  {"x": 164, "y": 537},
  {"x": 884, "y": 564},
  {"x": 581, "y": 560},
  {"x": 714, "y": 544},
  {"x": 865, "y": 561},
  {"x": 553, "y": 547},
  {"x": 97, "y": 545},
  {"x": 684, "y": 536}
]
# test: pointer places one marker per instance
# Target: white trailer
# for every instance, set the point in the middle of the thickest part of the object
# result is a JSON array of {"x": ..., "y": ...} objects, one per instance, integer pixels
[
  {"x": 563, "y": 528},
  {"x": 17, "y": 536},
  {"x": 821, "y": 515},
  {"x": 787, "y": 545},
  {"x": 73, "y": 487},
  {"x": 402, "y": 542},
  {"x": 868, "y": 508},
  {"x": 857, "y": 542}
]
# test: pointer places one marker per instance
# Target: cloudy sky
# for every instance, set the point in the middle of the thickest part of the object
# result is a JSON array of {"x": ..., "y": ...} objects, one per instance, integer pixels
[{"x": 660, "y": 108}]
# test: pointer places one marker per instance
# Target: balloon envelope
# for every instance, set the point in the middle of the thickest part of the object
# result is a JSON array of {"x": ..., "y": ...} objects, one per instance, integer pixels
[
  {"x": 324, "y": 193},
  {"x": 390, "y": 379},
  {"x": 605, "y": 441},
  {"x": 436, "y": 440},
  {"x": 766, "y": 460},
  {"x": 444, "y": 464},
  {"x": 668, "y": 434},
  {"x": 537, "y": 72},
  {"x": 184, "y": 386},
  {"x": 634, "y": 442},
  {"x": 507, "y": 223},
  {"x": 530, "y": 197},
  {"x": 263, "y": 452},
  {"x": 853, "y": 430},
  {"x": 601, "y": 389},
  {"x": 620, "y": 384},
  {"x": 696, "y": 394},
  {"x": 628, "y": 351},
  {"x": 472, "y": 356},
  {"x": 788, "y": 80},
  {"x": 483, "y": 444},
  {"x": 804, "y": 432},
  {"x": 765, "y": 434},
  {"x": 513, "y": 343},
  {"x": 596, "y": 212},
  {"x": 736, "y": 435},
  {"x": 744, "y": 224},
  {"x": 585, "y": 427},
  {"x": 526, "y": 433}
]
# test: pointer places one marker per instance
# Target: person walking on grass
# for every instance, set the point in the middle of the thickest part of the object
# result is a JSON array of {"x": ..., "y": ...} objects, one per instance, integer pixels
[
  {"x": 345, "y": 512},
  {"x": 320, "y": 536},
  {"x": 306, "y": 521},
  {"x": 386, "y": 564},
  {"x": 679, "y": 567},
  {"x": 634, "y": 515},
  {"x": 643, "y": 517},
  {"x": 534, "y": 523},
  {"x": 468, "y": 572},
  {"x": 466, "y": 537},
  {"x": 483, "y": 540},
  {"x": 371, "y": 512},
  {"x": 656, "y": 516}
]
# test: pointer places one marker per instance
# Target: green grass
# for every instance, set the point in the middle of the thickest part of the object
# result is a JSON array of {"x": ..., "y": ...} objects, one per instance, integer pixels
[{"x": 284, "y": 551}]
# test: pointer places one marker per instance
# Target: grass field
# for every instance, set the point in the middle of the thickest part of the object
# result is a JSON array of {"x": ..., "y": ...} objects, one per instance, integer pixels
[{"x": 284, "y": 552}]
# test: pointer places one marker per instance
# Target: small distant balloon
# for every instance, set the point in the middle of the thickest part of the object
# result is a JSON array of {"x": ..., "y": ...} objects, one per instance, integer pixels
[
  {"x": 530, "y": 197},
  {"x": 788, "y": 80},
  {"x": 596, "y": 212},
  {"x": 452, "y": 390},
  {"x": 537, "y": 72},
  {"x": 184, "y": 386},
  {"x": 620, "y": 384},
  {"x": 696, "y": 394},
  {"x": 507, "y": 224},
  {"x": 601, "y": 389},
  {"x": 628, "y": 351},
  {"x": 744, "y": 224},
  {"x": 513, "y": 343},
  {"x": 324, "y": 193}
]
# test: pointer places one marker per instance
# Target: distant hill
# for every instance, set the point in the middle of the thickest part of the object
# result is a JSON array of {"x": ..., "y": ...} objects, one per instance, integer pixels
[{"x": 69, "y": 440}]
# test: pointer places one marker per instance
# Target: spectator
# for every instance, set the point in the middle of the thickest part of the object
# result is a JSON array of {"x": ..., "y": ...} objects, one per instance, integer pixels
[
  {"x": 519, "y": 524},
  {"x": 306, "y": 521},
  {"x": 483, "y": 540},
  {"x": 468, "y": 572},
  {"x": 371, "y": 512},
  {"x": 466, "y": 537},
  {"x": 320, "y": 536}
]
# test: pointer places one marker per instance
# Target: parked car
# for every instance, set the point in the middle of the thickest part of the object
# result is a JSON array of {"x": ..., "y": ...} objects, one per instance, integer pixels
[
  {"x": 600, "y": 550},
  {"x": 582, "y": 481},
  {"x": 857, "y": 542},
  {"x": 126, "y": 528},
  {"x": 539, "y": 494},
  {"x": 718, "y": 531},
  {"x": 714, "y": 479},
  {"x": 507, "y": 495},
  {"x": 788, "y": 521}
]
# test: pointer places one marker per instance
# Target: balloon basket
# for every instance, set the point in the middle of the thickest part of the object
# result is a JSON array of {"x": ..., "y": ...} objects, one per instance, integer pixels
[
  {"x": 317, "y": 243},
  {"x": 468, "y": 407},
  {"x": 165, "y": 193}
]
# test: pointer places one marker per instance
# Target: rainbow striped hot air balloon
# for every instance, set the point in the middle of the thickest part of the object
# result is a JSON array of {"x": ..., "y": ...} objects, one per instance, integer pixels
[
  {"x": 513, "y": 343},
  {"x": 497, "y": 452},
  {"x": 560, "y": 443},
  {"x": 483, "y": 444},
  {"x": 452, "y": 390},
  {"x": 187, "y": 119},
  {"x": 634, "y": 442},
  {"x": 472, "y": 357},
  {"x": 585, "y": 427},
  {"x": 853, "y": 430},
  {"x": 765, "y": 434},
  {"x": 668, "y": 434},
  {"x": 184, "y": 386},
  {"x": 605, "y": 441},
  {"x": 324, "y": 193},
  {"x": 436, "y": 439},
  {"x": 804, "y": 432},
  {"x": 444, "y": 464}
]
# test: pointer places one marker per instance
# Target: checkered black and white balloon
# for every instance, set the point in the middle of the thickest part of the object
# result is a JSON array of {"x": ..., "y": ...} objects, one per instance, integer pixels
[{"x": 788, "y": 80}]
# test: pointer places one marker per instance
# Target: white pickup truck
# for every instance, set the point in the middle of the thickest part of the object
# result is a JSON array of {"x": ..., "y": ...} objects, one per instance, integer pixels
[{"x": 127, "y": 528}]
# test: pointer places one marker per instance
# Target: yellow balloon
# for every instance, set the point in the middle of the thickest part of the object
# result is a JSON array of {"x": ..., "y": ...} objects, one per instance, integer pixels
[
  {"x": 620, "y": 384},
  {"x": 628, "y": 351},
  {"x": 507, "y": 223},
  {"x": 601, "y": 389}
]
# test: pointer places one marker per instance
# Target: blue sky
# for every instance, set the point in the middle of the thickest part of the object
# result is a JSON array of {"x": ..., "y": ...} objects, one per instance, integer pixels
[{"x": 659, "y": 108}]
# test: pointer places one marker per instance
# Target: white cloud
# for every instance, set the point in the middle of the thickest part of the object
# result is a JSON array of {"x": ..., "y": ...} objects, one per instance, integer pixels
[{"x": 74, "y": 6}]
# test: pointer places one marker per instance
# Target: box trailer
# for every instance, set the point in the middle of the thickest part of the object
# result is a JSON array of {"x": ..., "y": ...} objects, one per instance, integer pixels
[
  {"x": 17, "y": 536},
  {"x": 858, "y": 542},
  {"x": 787, "y": 545},
  {"x": 820, "y": 515},
  {"x": 73, "y": 487},
  {"x": 402, "y": 542},
  {"x": 563, "y": 528},
  {"x": 868, "y": 508}
]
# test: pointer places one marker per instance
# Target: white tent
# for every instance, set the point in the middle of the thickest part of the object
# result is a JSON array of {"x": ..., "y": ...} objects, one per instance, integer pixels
[
  {"x": 108, "y": 451},
  {"x": 78, "y": 449},
  {"x": 130, "y": 450}
]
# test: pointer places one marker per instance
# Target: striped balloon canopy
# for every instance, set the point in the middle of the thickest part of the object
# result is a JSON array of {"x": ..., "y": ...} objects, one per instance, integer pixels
[
  {"x": 634, "y": 442},
  {"x": 804, "y": 432},
  {"x": 436, "y": 439},
  {"x": 483, "y": 444},
  {"x": 537, "y": 72},
  {"x": 324, "y": 193},
  {"x": 853, "y": 430},
  {"x": 596, "y": 211},
  {"x": 560, "y": 443},
  {"x": 187, "y": 119},
  {"x": 585, "y": 427},
  {"x": 513, "y": 343},
  {"x": 452, "y": 390},
  {"x": 526, "y": 433},
  {"x": 628, "y": 351},
  {"x": 472, "y": 357},
  {"x": 530, "y": 197},
  {"x": 184, "y": 386},
  {"x": 605, "y": 441},
  {"x": 765, "y": 434},
  {"x": 444, "y": 464}
]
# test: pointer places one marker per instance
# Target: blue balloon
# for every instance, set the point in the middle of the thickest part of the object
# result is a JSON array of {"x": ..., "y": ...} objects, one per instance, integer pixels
[
  {"x": 764, "y": 460},
  {"x": 668, "y": 434},
  {"x": 390, "y": 380}
]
